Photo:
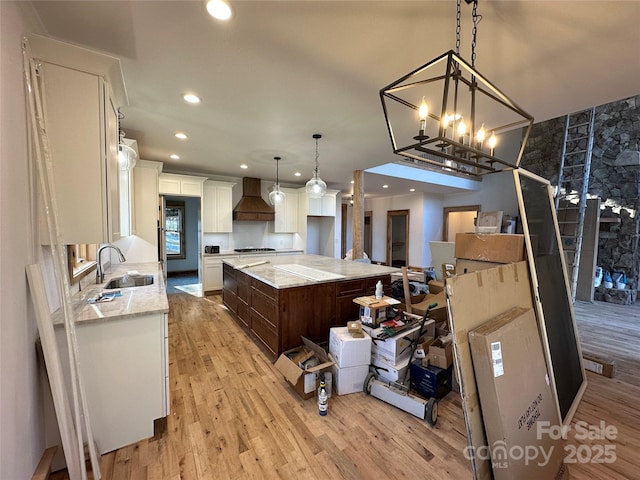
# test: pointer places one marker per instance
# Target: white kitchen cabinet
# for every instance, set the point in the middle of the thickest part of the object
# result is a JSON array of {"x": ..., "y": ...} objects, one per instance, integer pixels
[
  {"x": 286, "y": 216},
  {"x": 320, "y": 207},
  {"x": 183, "y": 185},
  {"x": 81, "y": 120},
  {"x": 124, "y": 369},
  {"x": 212, "y": 280},
  {"x": 217, "y": 207}
]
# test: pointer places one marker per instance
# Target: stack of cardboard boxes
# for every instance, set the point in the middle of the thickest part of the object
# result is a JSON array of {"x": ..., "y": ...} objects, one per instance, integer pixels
[{"x": 351, "y": 352}]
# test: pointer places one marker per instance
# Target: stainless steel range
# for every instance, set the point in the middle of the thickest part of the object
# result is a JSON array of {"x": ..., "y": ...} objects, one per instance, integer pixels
[{"x": 252, "y": 249}]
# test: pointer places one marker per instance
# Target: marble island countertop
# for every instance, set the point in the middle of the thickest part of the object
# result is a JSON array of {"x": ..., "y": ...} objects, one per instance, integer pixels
[
  {"x": 297, "y": 270},
  {"x": 133, "y": 302},
  {"x": 272, "y": 252}
]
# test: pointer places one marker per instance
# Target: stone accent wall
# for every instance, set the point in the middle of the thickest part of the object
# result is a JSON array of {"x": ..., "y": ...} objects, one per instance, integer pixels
[{"x": 615, "y": 178}]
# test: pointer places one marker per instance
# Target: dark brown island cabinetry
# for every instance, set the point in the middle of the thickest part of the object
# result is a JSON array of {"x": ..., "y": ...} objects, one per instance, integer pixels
[{"x": 277, "y": 317}]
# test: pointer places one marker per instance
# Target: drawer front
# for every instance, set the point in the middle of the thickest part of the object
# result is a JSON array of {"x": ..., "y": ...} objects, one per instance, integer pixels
[
  {"x": 350, "y": 287},
  {"x": 265, "y": 289},
  {"x": 370, "y": 285},
  {"x": 265, "y": 332},
  {"x": 244, "y": 290},
  {"x": 346, "y": 309},
  {"x": 230, "y": 300},
  {"x": 243, "y": 313},
  {"x": 265, "y": 306}
]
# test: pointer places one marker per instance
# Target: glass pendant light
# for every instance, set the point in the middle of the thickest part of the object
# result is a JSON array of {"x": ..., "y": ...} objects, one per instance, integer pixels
[
  {"x": 316, "y": 187},
  {"x": 276, "y": 196},
  {"x": 127, "y": 156}
]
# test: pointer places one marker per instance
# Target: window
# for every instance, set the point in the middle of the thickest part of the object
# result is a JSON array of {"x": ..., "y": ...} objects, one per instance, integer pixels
[
  {"x": 81, "y": 260},
  {"x": 174, "y": 230}
]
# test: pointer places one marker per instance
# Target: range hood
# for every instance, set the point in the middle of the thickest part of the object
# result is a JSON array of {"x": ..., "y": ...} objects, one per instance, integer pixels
[{"x": 252, "y": 206}]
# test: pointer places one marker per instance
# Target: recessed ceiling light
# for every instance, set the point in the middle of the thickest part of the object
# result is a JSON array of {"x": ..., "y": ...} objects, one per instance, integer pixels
[
  {"x": 191, "y": 98},
  {"x": 385, "y": 186},
  {"x": 174, "y": 156},
  {"x": 297, "y": 174},
  {"x": 244, "y": 166},
  {"x": 219, "y": 9},
  {"x": 181, "y": 135},
  {"x": 412, "y": 189}
]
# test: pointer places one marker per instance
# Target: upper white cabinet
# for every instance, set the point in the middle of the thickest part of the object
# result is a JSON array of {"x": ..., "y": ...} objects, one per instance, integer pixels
[
  {"x": 217, "y": 207},
  {"x": 184, "y": 185},
  {"x": 79, "y": 103},
  {"x": 286, "y": 218},
  {"x": 320, "y": 207},
  {"x": 146, "y": 204}
]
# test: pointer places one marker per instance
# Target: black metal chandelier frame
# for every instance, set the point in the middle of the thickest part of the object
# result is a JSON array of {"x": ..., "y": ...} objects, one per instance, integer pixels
[{"x": 452, "y": 152}]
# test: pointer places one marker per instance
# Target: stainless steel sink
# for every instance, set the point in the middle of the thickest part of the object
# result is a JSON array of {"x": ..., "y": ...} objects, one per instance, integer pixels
[{"x": 129, "y": 281}]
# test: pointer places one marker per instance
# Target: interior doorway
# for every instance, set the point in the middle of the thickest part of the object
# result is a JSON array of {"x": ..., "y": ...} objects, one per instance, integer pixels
[
  {"x": 367, "y": 233},
  {"x": 458, "y": 220},
  {"x": 398, "y": 238}
]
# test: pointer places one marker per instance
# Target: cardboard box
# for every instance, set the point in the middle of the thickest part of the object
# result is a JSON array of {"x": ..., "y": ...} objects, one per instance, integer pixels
[
  {"x": 429, "y": 380},
  {"x": 348, "y": 351},
  {"x": 387, "y": 372},
  {"x": 467, "y": 266},
  {"x": 440, "y": 353},
  {"x": 515, "y": 395},
  {"x": 490, "y": 247},
  {"x": 373, "y": 310},
  {"x": 395, "y": 349},
  {"x": 436, "y": 286},
  {"x": 349, "y": 380},
  {"x": 303, "y": 381},
  {"x": 439, "y": 313},
  {"x": 442, "y": 329},
  {"x": 598, "y": 364}
]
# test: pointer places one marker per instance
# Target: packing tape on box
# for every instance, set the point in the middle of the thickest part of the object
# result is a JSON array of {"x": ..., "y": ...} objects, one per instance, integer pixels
[
  {"x": 479, "y": 278},
  {"x": 501, "y": 274}
]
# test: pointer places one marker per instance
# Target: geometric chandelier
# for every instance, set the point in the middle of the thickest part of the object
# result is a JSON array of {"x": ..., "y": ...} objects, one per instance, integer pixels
[{"x": 445, "y": 114}]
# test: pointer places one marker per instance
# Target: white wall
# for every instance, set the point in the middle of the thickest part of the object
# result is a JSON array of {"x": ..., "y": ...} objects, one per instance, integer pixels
[
  {"x": 21, "y": 427},
  {"x": 425, "y": 223},
  {"x": 498, "y": 193}
]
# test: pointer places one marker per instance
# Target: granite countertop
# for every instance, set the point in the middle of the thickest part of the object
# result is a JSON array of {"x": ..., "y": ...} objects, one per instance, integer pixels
[
  {"x": 233, "y": 252},
  {"x": 297, "y": 270},
  {"x": 134, "y": 302}
]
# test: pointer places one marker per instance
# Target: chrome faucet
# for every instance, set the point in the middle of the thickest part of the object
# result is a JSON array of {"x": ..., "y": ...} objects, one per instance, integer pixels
[{"x": 99, "y": 272}]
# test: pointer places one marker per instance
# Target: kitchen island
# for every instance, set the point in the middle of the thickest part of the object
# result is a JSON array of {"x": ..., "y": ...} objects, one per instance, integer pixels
[{"x": 279, "y": 299}]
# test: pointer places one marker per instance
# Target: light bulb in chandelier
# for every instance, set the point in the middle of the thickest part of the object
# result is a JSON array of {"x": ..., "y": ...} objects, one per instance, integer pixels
[
  {"x": 493, "y": 141},
  {"x": 316, "y": 187},
  {"x": 423, "y": 112},
  {"x": 276, "y": 196},
  {"x": 480, "y": 135}
]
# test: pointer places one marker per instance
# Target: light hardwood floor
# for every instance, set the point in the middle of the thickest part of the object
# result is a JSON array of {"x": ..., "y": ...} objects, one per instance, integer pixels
[{"x": 233, "y": 416}]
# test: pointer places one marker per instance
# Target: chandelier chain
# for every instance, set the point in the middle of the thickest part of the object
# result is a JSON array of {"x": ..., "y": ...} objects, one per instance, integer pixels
[
  {"x": 458, "y": 27},
  {"x": 476, "y": 20}
]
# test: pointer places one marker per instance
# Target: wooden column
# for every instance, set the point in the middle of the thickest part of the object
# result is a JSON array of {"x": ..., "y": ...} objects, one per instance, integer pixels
[{"x": 358, "y": 214}]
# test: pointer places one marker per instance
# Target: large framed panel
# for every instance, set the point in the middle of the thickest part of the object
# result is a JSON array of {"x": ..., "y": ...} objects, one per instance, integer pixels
[{"x": 552, "y": 294}]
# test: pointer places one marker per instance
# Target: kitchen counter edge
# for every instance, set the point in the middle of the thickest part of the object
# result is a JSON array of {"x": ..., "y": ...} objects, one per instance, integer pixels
[{"x": 134, "y": 302}]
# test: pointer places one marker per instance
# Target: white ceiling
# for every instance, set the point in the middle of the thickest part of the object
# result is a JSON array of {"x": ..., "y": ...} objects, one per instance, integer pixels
[{"x": 281, "y": 71}]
